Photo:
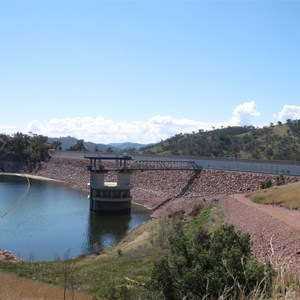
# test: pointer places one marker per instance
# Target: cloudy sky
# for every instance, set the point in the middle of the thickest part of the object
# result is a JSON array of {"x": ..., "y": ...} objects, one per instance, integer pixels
[{"x": 142, "y": 71}]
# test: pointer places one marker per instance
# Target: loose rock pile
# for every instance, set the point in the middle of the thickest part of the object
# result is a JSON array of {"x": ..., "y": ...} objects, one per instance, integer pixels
[
  {"x": 7, "y": 256},
  {"x": 70, "y": 171}
]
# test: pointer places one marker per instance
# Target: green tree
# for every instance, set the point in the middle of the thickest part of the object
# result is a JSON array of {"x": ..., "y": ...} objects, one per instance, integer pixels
[
  {"x": 109, "y": 150},
  {"x": 79, "y": 146},
  {"x": 56, "y": 145},
  {"x": 38, "y": 148},
  {"x": 24, "y": 148},
  {"x": 17, "y": 147}
]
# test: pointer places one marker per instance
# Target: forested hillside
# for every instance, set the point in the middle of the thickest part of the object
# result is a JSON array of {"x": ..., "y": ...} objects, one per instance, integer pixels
[{"x": 274, "y": 142}]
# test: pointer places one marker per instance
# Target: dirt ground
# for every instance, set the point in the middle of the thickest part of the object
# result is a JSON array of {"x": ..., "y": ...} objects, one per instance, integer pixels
[{"x": 275, "y": 231}]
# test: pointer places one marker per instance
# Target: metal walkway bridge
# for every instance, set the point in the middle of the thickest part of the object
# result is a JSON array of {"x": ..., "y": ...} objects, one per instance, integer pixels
[
  {"x": 144, "y": 165},
  {"x": 127, "y": 163}
]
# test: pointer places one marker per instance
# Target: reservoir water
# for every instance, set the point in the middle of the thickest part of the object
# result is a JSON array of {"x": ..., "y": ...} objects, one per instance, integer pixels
[{"x": 44, "y": 220}]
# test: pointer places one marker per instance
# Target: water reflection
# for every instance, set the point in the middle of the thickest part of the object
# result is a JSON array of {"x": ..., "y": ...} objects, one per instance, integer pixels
[{"x": 104, "y": 231}]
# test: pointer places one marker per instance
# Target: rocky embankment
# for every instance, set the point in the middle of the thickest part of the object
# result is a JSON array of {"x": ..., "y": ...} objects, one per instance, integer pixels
[
  {"x": 163, "y": 191},
  {"x": 7, "y": 256}
]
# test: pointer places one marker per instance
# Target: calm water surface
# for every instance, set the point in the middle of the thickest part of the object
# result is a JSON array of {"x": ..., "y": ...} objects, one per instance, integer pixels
[{"x": 53, "y": 221}]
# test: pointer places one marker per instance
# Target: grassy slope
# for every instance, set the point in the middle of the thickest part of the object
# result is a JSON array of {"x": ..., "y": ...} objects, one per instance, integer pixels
[
  {"x": 285, "y": 195},
  {"x": 280, "y": 130}
]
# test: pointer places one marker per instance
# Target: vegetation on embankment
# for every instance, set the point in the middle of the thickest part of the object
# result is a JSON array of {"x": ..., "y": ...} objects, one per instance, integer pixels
[
  {"x": 283, "y": 195},
  {"x": 274, "y": 142},
  {"x": 22, "y": 152},
  {"x": 125, "y": 271}
]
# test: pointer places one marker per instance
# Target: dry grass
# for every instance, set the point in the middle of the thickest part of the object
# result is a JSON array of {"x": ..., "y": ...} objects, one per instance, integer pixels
[
  {"x": 287, "y": 286},
  {"x": 17, "y": 288},
  {"x": 284, "y": 195}
]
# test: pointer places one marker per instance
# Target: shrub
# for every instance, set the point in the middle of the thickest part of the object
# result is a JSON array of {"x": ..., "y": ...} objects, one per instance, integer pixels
[
  {"x": 280, "y": 180},
  {"x": 209, "y": 264},
  {"x": 266, "y": 184}
]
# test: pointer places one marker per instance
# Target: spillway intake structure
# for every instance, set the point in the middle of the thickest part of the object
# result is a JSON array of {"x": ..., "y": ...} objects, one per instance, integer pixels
[{"x": 109, "y": 197}]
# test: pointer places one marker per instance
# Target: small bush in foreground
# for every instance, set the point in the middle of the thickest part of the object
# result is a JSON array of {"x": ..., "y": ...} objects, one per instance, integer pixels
[
  {"x": 265, "y": 184},
  {"x": 210, "y": 265},
  {"x": 280, "y": 180}
]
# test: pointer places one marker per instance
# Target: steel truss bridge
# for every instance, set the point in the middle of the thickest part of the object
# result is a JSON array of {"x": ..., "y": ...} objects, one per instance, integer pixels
[
  {"x": 127, "y": 163},
  {"x": 143, "y": 165}
]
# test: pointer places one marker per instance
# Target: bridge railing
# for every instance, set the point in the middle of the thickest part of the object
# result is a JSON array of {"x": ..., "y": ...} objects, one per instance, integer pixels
[{"x": 143, "y": 165}]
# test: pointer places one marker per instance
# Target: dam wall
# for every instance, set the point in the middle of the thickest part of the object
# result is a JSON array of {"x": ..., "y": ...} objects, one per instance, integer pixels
[
  {"x": 230, "y": 164},
  {"x": 253, "y": 166}
]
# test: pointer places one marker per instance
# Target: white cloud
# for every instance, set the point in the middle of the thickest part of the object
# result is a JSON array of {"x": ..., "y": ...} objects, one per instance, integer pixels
[
  {"x": 159, "y": 127},
  {"x": 288, "y": 112},
  {"x": 106, "y": 131},
  {"x": 244, "y": 112}
]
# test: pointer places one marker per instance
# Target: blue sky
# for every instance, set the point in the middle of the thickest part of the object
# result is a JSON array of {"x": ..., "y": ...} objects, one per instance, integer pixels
[{"x": 141, "y": 71}]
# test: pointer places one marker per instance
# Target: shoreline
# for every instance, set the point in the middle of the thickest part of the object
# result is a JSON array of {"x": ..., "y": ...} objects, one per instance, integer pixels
[{"x": 30, "y": 176}]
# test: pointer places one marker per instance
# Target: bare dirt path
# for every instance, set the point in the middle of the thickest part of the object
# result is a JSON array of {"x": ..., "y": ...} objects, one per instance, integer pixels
[
  {"x": 288, "y": 216},
  {"x": 275, "y": 231}
]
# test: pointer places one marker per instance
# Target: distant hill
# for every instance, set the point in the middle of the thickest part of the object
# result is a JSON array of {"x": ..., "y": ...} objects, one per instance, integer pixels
[
  {"x": 274, "y": 142},
  {"x": 68, "y": 141},
  {"x": 127, "y": 145}
]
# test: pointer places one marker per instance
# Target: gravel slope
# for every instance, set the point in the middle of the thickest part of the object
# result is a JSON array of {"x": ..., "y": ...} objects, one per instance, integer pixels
[{"x": 275, "y": 231}]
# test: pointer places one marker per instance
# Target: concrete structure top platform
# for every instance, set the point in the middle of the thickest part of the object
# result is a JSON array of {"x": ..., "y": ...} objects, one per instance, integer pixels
[
  {"x": 109, "y": 185},
  {"x": 97, "y": 158}
]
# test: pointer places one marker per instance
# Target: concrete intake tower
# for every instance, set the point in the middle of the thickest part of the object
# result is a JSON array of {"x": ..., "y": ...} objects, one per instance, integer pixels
[{"x": 109, "y": 197}]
